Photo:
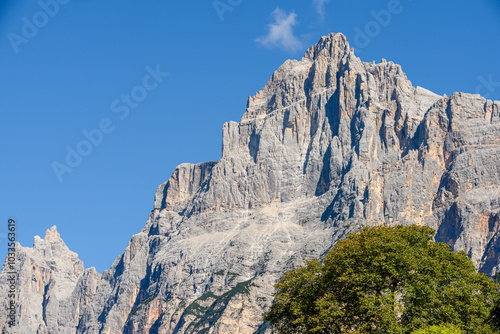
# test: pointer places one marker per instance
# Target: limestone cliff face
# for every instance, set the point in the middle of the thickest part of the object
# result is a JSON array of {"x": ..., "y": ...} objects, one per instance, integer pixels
[{"x": 328, "y": 145}]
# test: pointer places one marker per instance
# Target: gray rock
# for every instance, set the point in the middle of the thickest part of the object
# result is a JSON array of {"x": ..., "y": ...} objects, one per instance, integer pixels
[{"x": 329, "y": 145}]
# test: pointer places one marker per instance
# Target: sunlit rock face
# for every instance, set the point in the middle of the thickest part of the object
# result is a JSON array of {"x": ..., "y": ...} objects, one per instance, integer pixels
[{"x": 329, "y": 145}]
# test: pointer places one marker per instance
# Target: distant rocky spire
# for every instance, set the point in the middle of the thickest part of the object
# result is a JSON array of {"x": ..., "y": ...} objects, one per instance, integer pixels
[{"x": 52, "y": 235}]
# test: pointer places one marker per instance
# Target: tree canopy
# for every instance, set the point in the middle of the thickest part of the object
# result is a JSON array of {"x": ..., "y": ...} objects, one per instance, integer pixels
[
  {"x": 384, "y": 280},
  {"x": 440, "y": 329}
]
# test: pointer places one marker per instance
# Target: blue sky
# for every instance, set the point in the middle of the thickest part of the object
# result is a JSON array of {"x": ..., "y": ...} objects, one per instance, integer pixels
[{"x": 151, "y": 83}]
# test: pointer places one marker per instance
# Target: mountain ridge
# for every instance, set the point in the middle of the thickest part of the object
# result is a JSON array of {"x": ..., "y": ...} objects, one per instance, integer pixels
[{"x": 330, "y": 144}]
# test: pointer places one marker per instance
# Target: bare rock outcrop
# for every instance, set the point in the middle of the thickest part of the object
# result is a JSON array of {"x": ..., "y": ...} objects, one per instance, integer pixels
[{"x": 329, "y": 145}]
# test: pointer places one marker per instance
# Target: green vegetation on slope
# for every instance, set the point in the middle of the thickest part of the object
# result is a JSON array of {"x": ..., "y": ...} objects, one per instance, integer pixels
[{"x": 206, "y": 316}]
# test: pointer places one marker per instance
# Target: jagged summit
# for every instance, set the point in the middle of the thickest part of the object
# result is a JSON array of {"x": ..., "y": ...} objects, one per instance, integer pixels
[
  {"x": 51, "y": 235},
  {"x": 330, "y": 144},
  {"x": 330, "y": 49},
  {"x": 52, "y": 244},
  {"x": 321, "y": 67},
  {"x": 334, "y": 45}
]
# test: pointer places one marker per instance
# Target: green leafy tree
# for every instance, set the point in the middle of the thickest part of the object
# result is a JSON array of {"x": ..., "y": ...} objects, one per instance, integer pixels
[
  {"x": 494, "y": 319},
  {"x": 384, "y": 280},
  {"x": 440, "y": 329}
]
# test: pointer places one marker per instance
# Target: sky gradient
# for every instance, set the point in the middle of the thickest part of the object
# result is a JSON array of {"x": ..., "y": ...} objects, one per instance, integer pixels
[{"x": 149, "y": 86}]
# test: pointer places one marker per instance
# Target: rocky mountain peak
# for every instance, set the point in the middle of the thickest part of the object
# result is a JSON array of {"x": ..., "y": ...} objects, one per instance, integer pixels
[
  {"x": 330, "y": 46},
  {"x": 52, "y": 244},
  {"x": 51, "y": 235},
  {"x": 291, "y": 82},
  {"x": 51, "y": 251},
  {"x": 330, "y": 144}
]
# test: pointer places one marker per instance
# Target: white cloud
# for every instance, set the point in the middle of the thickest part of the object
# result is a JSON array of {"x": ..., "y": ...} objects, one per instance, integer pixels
[
  {"x": 320, "y": 7},
  {"x": 281, "y": 32}
]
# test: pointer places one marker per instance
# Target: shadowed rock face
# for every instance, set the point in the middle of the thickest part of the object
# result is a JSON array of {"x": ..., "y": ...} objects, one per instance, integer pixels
[{"x": 328, "y": 145}]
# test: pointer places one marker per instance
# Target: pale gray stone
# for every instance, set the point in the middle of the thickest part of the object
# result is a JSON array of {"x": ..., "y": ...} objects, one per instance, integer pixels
[{"x": 329, "y": 145}]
